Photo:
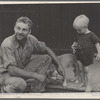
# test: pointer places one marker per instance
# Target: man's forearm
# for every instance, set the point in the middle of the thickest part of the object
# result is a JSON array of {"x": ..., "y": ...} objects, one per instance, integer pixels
[
  {"x": 53, "y": 56},
  {"x": 14, "y": 71}
]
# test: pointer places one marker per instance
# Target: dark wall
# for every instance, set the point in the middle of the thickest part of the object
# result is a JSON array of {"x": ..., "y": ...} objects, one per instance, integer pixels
[{"x": 52, "y": 22}]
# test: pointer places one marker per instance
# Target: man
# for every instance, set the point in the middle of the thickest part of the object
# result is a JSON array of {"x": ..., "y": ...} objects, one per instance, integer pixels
[{"x": 21, "y": 67}]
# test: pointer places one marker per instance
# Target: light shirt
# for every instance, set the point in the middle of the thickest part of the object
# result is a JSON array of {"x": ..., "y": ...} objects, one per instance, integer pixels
[{"x": 14, "y": 55}]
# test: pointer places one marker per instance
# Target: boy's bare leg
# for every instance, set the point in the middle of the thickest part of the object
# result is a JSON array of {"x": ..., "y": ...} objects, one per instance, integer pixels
[{"x": 82, "y": 74}]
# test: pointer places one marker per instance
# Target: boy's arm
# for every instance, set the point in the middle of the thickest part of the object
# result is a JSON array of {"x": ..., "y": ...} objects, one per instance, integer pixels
[
  {"x": 98, "y": 50},
  {"x": 73, "y": 46}
]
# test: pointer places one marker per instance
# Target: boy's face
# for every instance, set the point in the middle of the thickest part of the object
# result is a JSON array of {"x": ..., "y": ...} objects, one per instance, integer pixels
[
  {"x": 21, "y": 30},
  {"x": 81, "y": 30}
]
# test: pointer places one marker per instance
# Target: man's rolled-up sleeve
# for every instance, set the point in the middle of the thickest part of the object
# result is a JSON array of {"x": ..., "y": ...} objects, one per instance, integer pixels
[
  {"x": 41, "y": 46},
  {"x": 8, "y": 56},
  {"x": 38, "y": 46}
]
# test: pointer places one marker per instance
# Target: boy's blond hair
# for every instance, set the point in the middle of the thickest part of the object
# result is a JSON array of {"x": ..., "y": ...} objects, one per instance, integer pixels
[{"x": 81, "y": 21}]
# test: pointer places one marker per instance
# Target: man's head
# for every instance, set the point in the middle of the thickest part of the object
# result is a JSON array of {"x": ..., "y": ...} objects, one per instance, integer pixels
[
  {"x": 81, "y": 23},
  {"x": 22, "y": 27}
]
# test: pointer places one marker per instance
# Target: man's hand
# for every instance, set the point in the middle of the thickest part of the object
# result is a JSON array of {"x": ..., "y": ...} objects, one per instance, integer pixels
[
  {"x": 40, "y": 77},
  {"x": 61, "y": 70}
]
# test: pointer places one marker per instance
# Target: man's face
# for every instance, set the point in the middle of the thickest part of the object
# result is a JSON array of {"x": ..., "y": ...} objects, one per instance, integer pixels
[{"x": 21, "y": 30}]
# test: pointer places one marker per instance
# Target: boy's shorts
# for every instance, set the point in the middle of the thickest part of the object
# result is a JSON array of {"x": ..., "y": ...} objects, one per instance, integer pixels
[{"x": 85, "y": 55}]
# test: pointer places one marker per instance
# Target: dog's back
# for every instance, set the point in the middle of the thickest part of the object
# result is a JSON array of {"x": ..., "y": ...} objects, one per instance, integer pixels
[
  {"x": 93, "y": 75},
  {"x": 68, "y": 60}
]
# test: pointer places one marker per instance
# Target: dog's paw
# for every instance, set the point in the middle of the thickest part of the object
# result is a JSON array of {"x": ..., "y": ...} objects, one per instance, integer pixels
[
  {"x": 81, "y": 85},
  {"x": 76, "y": 81},
  {"x": 53, "y": 78},
  {"x": 65, "y": 84}
]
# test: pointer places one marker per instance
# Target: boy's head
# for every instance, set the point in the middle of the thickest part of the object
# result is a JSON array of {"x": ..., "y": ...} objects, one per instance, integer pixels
[{"x": 81, "y": 23}]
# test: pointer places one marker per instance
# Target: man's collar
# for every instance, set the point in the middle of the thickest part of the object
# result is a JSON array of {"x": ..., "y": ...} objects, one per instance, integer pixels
[{"x": 16, "y": 44}]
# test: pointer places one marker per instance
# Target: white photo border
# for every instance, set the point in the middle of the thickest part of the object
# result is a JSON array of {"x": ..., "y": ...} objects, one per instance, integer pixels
[{"x": 48, "y": 96}]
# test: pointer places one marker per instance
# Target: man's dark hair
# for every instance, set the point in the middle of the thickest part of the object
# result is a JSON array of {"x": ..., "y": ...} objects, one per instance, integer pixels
[{"x": 25, "y": 20}]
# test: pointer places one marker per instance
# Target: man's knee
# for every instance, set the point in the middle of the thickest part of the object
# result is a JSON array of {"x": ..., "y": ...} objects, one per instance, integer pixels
[
  {"x": 15, "y": 84},
  {"x": 21, "y": 84},
  {"x": 47, "y": 57}
]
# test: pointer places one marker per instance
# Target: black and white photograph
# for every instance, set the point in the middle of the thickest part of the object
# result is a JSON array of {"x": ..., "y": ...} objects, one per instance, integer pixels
[{"x": 50, "y": 48}]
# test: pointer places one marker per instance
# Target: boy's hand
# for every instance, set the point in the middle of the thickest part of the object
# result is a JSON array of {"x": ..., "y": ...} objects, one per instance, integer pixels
[
  {"x": 98, "y": 57},
  {"x": 74, "y": 46}
]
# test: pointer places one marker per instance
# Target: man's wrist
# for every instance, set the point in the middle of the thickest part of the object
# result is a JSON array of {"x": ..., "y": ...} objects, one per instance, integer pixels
[{"x": 34, "y": 75}]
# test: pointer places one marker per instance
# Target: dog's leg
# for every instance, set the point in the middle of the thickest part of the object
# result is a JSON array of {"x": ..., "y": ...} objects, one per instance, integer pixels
[
  {"x": 76, "y": 72},
  {"x": 82, "y": 74},
  {"x": 64, "y": 60},
  {"x": 65, "y": 83}
]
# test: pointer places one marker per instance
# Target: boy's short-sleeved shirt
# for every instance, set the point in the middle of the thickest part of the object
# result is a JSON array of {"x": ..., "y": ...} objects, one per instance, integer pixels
[
  {"x": 14, "y": 55},
  {"x": 85, "y": 51},
  {"x": 87, "y": 40}
]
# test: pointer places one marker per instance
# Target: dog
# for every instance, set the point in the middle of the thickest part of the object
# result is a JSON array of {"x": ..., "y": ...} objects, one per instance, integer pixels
[
  {"x": 93, "y": 77},
  {"x": 92, "y": 72},
  {"x": 69, "y": 60}
]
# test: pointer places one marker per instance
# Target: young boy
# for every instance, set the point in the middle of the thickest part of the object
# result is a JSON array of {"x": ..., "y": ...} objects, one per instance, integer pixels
[{"x": 84, "y": 43}]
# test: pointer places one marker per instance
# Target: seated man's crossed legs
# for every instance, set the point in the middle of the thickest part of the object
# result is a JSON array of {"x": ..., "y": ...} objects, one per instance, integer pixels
[
  {"x": 13, "y": 84},
  {"x": 39, "y": 64}
]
